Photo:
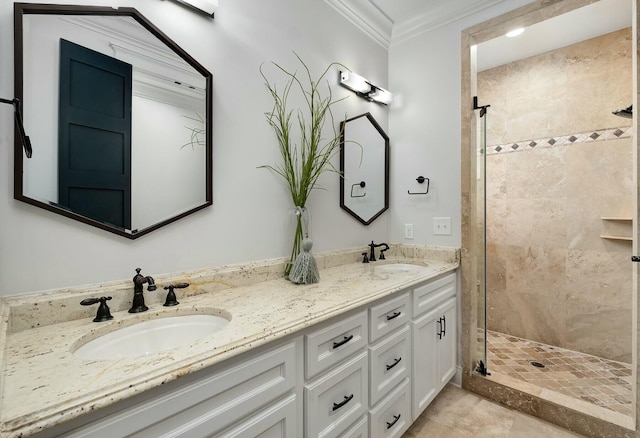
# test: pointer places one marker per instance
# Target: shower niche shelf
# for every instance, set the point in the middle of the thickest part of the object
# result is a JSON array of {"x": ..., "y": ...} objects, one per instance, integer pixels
[{"x": 624, "y": 219}]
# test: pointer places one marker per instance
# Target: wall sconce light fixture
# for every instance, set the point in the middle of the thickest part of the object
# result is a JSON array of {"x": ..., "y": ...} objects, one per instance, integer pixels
[
  {"x": 364, "y": 88},
  {"x": 208, "y": 7}
]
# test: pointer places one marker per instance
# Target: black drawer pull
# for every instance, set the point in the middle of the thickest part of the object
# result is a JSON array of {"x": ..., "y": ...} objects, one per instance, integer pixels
[
  {"x": 395, "y": 362},
  {"x": 344, "y": 341},
  {"x": 347, "y": 399},
  {"x": 439, "y": 328},
  {"x": 395, "y": 420},
  {"x": 394, "y": 316},
  {"x": 444, "y": 325}
]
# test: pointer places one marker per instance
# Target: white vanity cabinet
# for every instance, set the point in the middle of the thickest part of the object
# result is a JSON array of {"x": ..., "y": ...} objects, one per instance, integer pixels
[
  {"x": 434, "y": 339},
  {"x": 244, "y": 399},
  {"x": 368, "y": 372}
]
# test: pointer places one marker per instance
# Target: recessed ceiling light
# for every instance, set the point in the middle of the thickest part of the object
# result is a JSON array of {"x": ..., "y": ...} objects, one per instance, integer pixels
[{"x": 515, "y": 32}]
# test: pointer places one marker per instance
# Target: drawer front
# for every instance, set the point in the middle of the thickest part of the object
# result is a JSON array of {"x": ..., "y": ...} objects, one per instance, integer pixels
[
  {"x": 335, "y": 400},
  {"x": 429, "y": 295},
  {"x": 393, "y": 416},
  {"x": 358, "y": 430},
  {"x": 277, "y": 421},
  {"x": 211, "y": 403},
  {"x": 328, "y": 346},
  {"x": 388, "y": 316},
  {"x": 389, "y": 363}
]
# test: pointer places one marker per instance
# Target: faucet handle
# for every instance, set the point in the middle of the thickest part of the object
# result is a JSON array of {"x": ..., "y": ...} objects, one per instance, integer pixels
[
  {"x": 103, "y": 314},
  {"x": 365, "y": 259},
  {"x": 171, "y": 295}
]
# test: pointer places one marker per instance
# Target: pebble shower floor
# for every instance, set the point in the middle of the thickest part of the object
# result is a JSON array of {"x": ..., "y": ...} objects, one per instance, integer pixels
[{"x": 602, "y": 382}]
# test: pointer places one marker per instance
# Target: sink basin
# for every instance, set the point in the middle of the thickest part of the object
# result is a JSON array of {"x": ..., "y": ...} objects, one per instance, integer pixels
[
  {"x": 151, "y": 336},
  {"x": 398, "y": 267}
]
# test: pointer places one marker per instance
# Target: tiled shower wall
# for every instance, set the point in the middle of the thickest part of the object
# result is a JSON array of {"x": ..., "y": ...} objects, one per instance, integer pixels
[{"x": 558, "y": 162}]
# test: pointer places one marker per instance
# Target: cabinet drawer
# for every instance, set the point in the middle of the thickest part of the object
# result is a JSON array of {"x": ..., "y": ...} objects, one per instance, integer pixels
[
  {"x": 328, "y": 346},
  {"x": 336, "y": 399},
  {"x": 429, "y": 295},
  {"x": 393, "y": 416},
  {"x": 211, "y": 403},
  {"x": 388, "y": 316},
  {"x": 358, "y": 430},
  {"x": 389, "y": 363}
]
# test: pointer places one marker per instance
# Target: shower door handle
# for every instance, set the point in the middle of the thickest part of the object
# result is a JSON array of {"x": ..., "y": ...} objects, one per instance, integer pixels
[{"x": 635, "y": 258}]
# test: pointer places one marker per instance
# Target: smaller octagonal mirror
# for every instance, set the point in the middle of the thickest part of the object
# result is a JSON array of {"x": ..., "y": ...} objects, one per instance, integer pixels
[{"x": 364, "y": 166}]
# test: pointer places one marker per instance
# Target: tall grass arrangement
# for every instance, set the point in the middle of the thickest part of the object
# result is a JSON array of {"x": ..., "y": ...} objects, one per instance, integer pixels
[{"x": 305, "y": 153}]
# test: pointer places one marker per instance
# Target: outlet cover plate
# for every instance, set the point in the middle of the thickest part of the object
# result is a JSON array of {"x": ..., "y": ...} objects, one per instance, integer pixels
[{"x": 408, "y": 231}]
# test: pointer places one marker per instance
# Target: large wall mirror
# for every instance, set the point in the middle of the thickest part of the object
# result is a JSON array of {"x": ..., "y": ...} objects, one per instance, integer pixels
[
  {"x": 364, "y": 165},
  {"x": 119, "y": 117}
]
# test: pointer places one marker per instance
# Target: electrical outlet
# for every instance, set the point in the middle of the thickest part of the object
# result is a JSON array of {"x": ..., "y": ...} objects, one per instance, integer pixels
[
  {"x": 442, "y": 226},
  {"x": 408, "y": 231}
]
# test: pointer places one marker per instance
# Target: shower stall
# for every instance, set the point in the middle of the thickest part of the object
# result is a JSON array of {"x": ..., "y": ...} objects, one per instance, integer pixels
[{"x": 551, "y": 227}]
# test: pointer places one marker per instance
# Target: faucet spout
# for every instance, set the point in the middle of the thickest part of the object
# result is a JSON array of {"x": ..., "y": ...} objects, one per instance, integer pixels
[
  {"x": 139, "y": 280},
  {"x": 372, "y": 246}
]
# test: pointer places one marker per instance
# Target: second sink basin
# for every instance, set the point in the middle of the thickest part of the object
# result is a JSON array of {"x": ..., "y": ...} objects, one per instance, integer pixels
[{"x": 151, "y": 336}]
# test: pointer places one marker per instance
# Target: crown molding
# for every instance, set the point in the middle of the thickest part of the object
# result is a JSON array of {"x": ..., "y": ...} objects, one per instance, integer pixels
[
  {"x": 364, "y": 15},
  {"x": 378, "y": 26},
  {"x": 435, "y": 19}
]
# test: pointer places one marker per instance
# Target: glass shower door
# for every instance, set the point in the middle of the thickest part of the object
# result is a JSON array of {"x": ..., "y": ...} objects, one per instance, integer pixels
[{"x": 481, "y": 232}]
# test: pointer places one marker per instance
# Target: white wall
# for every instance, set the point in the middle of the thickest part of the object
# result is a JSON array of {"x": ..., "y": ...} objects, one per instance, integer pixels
[
  {"x": 424, "y": 74},
  {"x": 251, "y": 218}
]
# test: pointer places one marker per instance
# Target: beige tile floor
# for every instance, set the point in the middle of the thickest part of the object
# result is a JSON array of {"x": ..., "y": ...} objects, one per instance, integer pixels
[{"x": 456, "y": 413}]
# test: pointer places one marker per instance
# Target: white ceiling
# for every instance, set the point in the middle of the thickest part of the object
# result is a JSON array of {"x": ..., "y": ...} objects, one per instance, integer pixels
[
  {"x": 578, "y": 25},
  {"x": 393, "y": 21}
]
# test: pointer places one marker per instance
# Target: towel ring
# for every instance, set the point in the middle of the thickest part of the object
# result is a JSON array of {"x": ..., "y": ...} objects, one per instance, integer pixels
[
  {"x": 361, "y": 184},
  {"x": 421, "y": 179}
]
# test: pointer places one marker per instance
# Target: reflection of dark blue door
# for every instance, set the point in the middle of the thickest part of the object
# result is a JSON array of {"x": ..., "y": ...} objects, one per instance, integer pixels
[{"x": 94, "y": 156}]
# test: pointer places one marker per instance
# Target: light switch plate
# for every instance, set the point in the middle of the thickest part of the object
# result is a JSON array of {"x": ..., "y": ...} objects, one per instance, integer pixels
[{"x": 442, "y": 226}]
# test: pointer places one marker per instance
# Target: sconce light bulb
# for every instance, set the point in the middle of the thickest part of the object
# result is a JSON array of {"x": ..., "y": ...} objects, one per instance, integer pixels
[
  {"x": 381, "y": 95},
  {"x": 354, "y": 82}
]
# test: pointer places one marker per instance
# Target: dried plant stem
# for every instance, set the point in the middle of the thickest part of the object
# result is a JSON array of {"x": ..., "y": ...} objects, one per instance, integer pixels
[{"x": 304, "y": 161}]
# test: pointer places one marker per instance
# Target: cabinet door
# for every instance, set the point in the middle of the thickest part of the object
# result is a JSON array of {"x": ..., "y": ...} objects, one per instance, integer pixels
[
  {"x": 424, "y": 373},
  {"x": 447, "y": 323}
]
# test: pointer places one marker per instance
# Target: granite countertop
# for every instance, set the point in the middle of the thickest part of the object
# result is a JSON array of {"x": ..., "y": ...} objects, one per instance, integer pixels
[{"x": 43, "y": 384}]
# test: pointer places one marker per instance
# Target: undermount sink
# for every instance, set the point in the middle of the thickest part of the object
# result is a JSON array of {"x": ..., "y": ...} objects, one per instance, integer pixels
[
  {"x": 398, "y": 267},
  {"x": 151, "y": 336}
]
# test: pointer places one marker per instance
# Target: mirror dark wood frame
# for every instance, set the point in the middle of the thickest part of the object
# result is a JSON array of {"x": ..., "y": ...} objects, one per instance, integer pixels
[
  {"x": 21, "y": 9},
  {"x": 386, "y": 167}
]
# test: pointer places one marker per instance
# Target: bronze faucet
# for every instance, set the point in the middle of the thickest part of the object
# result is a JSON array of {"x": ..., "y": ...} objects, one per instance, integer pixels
[
  {"x": 138, "y": 296},
  {"x": 372, "y": 254}
]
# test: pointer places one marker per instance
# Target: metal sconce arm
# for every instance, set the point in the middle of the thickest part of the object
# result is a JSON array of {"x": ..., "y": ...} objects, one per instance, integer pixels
[{"x": 26, "y": 143}]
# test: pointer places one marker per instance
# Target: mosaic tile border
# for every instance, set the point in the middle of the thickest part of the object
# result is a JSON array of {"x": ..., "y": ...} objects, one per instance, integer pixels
[{"x": 562, "y": 140}]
